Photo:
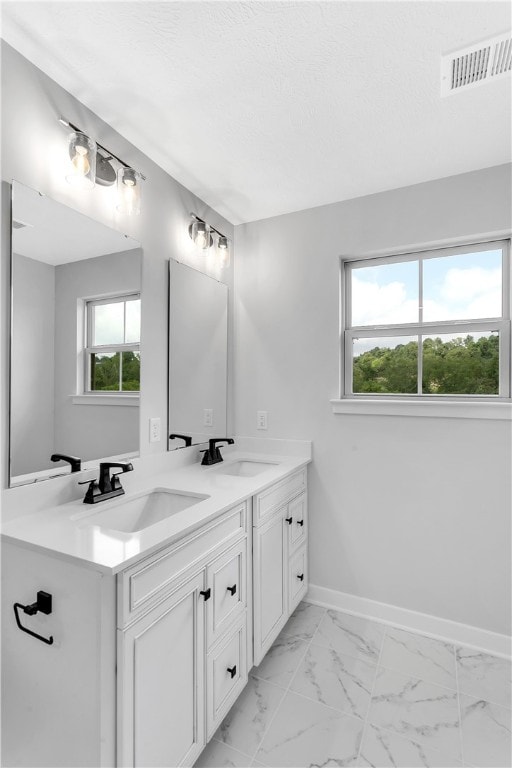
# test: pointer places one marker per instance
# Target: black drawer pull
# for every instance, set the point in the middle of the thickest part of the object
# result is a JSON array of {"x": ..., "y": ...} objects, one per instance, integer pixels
[
  {"x": 289, "y": 520},
  {"x": 300, "y": 522},
  {"x": 232, "y": 590},
  {"x": 232, "y": 671},
  {"x": 206, "y": 593},
  {"x": 300, "y": 576}
]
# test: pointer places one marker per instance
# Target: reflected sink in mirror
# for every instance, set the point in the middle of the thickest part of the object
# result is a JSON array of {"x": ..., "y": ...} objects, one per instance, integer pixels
[
  {"x": 134, "y": 515},
  {"x": 246, "y": 467}
]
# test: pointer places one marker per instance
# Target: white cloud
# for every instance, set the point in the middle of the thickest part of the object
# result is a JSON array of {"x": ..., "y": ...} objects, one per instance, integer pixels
[
  {"x": 464, "y": 293},
  {"x": 374, "y": 304}
]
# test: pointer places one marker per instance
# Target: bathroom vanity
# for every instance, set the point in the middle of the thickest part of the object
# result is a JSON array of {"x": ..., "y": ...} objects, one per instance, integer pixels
[{"x": 154, "y": 630}]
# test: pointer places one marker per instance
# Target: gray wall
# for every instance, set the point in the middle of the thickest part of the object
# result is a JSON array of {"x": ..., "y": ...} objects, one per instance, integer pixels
[
  {"x": 32, "y": 365},
  {"x": 90, "y": 431},
  {"x": 34, "y": 153},
  {"x": 409, "y": 511}
]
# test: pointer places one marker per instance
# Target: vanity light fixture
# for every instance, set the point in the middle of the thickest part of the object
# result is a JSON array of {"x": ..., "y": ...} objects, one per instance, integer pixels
[
  {"x": 200, "y": 233},
  {"x": 91, "y": 163},
  {"x": 82, "y": 154},
  {"x": 128, "y": 191},
  {"x": 205, "y": 235}
]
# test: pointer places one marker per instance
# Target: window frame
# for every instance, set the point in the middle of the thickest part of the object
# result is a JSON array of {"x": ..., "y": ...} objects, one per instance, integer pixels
[
  {"x": 90, "y": 349},
  {"x": 421, "y": 328}
]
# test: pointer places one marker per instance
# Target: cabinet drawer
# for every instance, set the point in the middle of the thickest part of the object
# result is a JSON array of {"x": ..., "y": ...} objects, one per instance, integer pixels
[
  {"x": 146, "y": 583},
  {"x": 297, "y": 578},
  {"x": 226, "y": 676},
  {"x": 278, "y": 494},
  {"x": 227, "y": 579},
  {"x": 297, "y": 514}
]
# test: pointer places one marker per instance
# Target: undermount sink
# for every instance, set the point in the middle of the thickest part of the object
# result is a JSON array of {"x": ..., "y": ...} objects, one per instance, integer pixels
[
  {"x": 246, "y": 467},
  {"x": 135, "y": 515}
]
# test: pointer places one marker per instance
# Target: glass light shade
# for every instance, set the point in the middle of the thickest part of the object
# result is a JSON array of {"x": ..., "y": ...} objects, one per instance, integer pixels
[
  {"x": 129, "y": 184},
  {"x": 82, "y": 167},
  {"x": 200, "y": 234},
  {"x": 222, "y": 252}
]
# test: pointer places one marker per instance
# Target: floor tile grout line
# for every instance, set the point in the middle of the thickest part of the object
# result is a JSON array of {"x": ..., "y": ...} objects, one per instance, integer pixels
[
  {"x": 243, "y": 754},
  {"x": 459, "y": 707},
  {"x": 286, "y": 691},
  {"x": 365, "y": 721},
  {"x": 413, "y": 740},
  {"x": 417, "y": 677}
]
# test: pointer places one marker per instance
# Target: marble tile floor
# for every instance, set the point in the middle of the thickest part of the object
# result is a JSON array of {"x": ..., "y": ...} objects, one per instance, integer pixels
[{"x": 338, "y": 690}]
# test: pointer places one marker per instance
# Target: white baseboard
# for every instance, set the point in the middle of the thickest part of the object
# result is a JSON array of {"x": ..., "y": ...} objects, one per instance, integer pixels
[{"x": 433, "y": 626}]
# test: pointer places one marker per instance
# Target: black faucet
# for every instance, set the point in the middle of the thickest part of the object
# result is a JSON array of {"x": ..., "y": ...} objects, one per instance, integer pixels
[
  {"x": 212, "y": 454},
  {"x": 108, "y": 485},
  {"x": 186, "y": 438},
  {"x": 76, "y": 463}
]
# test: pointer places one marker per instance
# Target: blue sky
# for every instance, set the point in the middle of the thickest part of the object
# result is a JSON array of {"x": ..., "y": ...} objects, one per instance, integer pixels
[{"x": 461, "y": 286}]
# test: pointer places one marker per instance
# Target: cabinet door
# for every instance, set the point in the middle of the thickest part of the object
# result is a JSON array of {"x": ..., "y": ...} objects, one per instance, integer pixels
[
  {"x": 161, "y": 686},
  {"x": 298, "y": 578},
  {"x": 227, "y": 578},
  {"x": 226, "y": 675},
  {"x": 297, "y": 529},
  {"x": 270, "y": 582}
]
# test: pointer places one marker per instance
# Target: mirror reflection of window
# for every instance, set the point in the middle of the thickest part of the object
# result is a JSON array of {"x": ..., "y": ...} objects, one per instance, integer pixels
[
  {"x": 112, "y": 362},
  {"x": 75, "y": 384}
]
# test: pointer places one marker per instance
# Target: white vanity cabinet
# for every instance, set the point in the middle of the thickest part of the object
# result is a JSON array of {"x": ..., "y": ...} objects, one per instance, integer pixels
[
  {"x": 146, "y": 662},
  {"x": 280, "y": 563},
  {"x": 182, "y": 644}
]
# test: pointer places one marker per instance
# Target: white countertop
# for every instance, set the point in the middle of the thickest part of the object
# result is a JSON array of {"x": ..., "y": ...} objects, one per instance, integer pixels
[{"x": 64, "y": 530}]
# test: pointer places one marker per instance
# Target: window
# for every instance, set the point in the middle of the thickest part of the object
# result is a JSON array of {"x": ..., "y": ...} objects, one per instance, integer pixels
[
  {"x": 429, "y": 324},
  {"x": 112, "y": 359}
]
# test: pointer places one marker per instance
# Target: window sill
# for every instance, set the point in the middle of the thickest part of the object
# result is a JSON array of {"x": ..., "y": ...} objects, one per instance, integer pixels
[
  {"x": 103, "y": 399},
  {"x": 499, "y": 411}
]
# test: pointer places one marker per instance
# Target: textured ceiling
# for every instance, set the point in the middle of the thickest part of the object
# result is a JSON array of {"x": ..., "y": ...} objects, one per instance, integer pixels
[{"x": 262, "y": 108}]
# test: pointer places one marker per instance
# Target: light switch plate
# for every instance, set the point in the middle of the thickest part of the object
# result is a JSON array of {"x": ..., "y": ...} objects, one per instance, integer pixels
[
  {"x": 208, "y": 417},
  {"x": 261, "y": 417},
  {"x": 155, "y": 430}
]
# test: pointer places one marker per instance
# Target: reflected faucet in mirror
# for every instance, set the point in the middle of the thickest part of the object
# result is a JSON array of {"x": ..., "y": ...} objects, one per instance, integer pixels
[
  {"x": 74, "y": 461},
  {"x": 186, "y": 438},
  {"x": 107, "y": 486}
]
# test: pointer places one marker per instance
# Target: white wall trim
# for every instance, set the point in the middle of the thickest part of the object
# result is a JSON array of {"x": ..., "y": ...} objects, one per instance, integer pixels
[
  {"x": 454, "y": 409},
  {"x": 125, "y": 400},
  {"x": 413, "y": 621}
]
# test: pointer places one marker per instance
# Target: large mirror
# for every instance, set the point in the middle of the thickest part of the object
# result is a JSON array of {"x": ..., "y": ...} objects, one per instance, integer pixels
[
  {"x": 198, "y": 330},
  {"x": 75, "y": 339}
]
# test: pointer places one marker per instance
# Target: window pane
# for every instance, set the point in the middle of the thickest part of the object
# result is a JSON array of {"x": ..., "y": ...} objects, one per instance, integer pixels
[
  {"x": 385, "y": 294},
  {"x": 386, "y": 365},
  {"x": 131, "y": 372},
  {"x": 132, "y": 330},
  {"x": 108, "y": 323},
  {"x": 461, "y": 365},
  {"x": 105, "y": 372},
  {"x": 461, "y": 287}
]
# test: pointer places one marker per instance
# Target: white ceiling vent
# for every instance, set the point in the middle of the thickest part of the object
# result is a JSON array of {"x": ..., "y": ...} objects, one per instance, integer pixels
[{"x": 488, "y": 60}]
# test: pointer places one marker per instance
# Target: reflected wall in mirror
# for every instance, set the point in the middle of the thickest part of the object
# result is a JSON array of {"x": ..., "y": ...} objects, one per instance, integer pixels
[
  {"x": 75, "y": 338},
  {"x": 198, "y": 344}
]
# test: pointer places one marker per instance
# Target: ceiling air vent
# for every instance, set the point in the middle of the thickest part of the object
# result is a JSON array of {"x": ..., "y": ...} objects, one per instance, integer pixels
[{"x": 480, "y": 63}]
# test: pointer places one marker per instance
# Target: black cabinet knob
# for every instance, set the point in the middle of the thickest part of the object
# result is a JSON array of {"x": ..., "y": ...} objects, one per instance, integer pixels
[
  {"x": 300, "y": 522},
  {"x": 206, "y": 593},
  {"x": 232, "y": 671},
  {"x": 232, "y": 590},
  {"x": 289, "y": 520},
  {"x": 300, "y": 576}
]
